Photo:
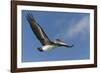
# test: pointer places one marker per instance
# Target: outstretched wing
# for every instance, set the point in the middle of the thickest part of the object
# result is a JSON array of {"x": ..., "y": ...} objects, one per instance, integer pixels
[
  {"x": 38, "y": 31},
  {"x": 62, "y": 43}
]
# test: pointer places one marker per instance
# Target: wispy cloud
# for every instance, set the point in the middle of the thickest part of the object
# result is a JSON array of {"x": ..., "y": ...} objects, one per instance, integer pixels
[
  {"x": 81, "y": 27},
  {"x": 74, "y": 29}
]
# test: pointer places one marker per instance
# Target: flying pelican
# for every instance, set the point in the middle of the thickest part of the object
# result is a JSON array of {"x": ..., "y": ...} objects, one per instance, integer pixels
[{"x": 42, "y": 37}]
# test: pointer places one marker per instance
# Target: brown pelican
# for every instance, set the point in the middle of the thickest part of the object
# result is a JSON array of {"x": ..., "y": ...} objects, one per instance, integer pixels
[{"x": 42, "y": 37}]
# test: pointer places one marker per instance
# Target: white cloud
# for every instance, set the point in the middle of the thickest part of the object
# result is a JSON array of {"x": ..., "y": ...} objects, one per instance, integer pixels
[{"x": 81, "y": 27}]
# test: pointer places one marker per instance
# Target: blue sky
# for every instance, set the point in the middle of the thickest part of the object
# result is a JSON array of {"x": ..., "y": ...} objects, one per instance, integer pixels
[{"x": 73, "y": 28}]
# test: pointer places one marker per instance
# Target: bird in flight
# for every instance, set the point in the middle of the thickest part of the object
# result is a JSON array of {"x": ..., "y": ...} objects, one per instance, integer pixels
[{"x": 47, "y": 44}]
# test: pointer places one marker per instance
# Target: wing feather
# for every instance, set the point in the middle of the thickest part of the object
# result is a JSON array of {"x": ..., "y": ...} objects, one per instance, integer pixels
[{"x": 38, "y": 31}]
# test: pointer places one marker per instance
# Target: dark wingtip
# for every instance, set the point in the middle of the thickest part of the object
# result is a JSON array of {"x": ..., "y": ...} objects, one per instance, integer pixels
[
  {"x": 30, "y": 16},
  {"x": 71, "y": 46}
]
